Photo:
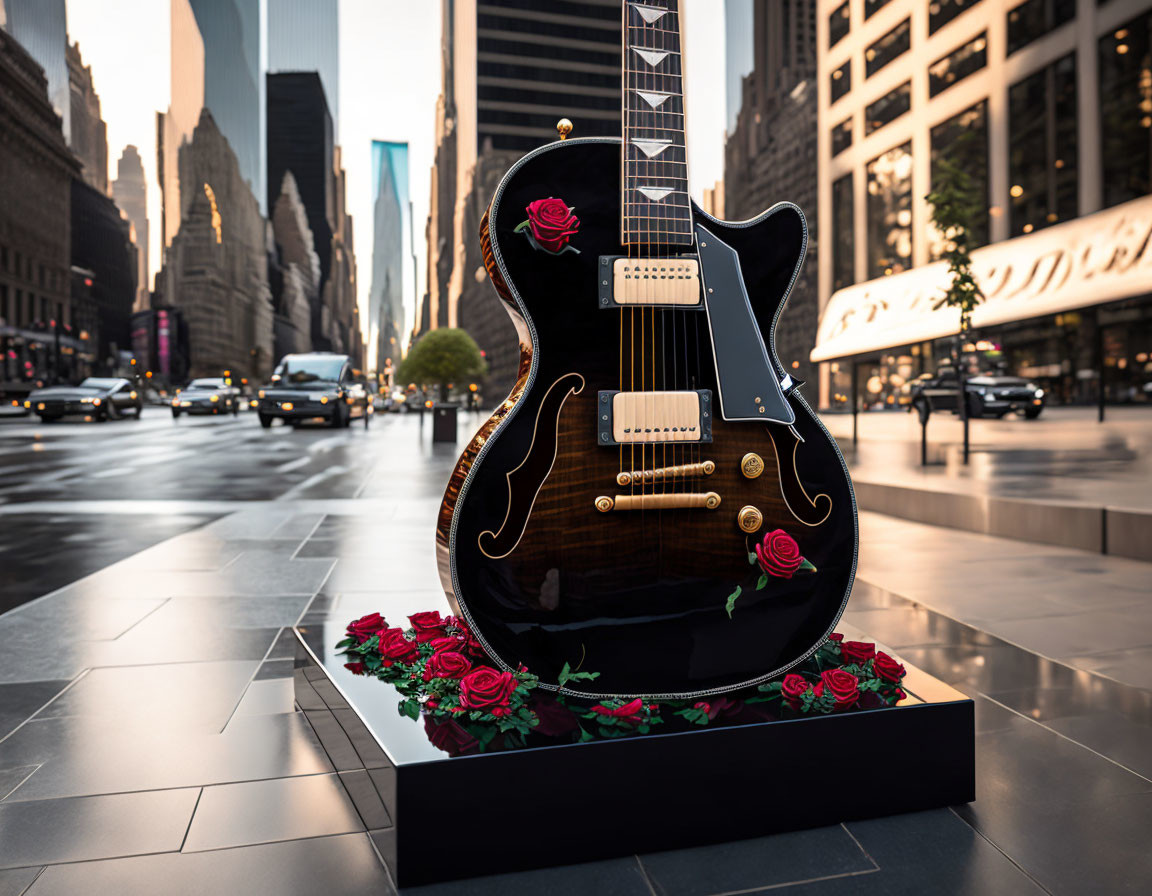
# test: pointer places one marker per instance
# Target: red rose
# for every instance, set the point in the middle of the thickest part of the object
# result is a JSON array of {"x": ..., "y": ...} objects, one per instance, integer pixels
[
  {"x": 779, "y": 555},
  {"x": 366, "y": 626},
  {"x": 355, "y": 668},
  {"x": 792, "y": 688},
  {"x": 427, "y": 625},
  {"x": 467, "y": 642},
  {"x": 836, "y": 636},
  {"x": 554, "y": 718},
  {"x": 629, "y": 712},
  {"x": 395, "y": 648},
  {"x": 842, "y": 686},
  {"x": 446, "y": 665},
  {"x": 887, "y": 668},
  {"x": 552, "y": 223},
  {"x": 858, "y": 652},
  {"x": 453, "y": 643},
  {"x": 485, "y": 687},
  {"x": 446, "y": 735}
]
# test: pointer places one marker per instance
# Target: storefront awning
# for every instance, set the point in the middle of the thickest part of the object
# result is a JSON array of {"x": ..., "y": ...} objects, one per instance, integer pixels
[{"x": 1088, "y": 261}]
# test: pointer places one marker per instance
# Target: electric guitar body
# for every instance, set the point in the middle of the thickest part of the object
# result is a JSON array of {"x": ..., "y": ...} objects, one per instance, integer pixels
[{"x": 654, "y": 502}]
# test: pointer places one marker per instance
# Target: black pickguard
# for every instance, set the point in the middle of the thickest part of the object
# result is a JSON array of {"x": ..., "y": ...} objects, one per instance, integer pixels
[{"x": 638, "y": 596}]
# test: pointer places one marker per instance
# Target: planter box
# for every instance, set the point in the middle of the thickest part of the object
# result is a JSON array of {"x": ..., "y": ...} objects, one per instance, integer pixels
[{"x": 559, "y": 804}]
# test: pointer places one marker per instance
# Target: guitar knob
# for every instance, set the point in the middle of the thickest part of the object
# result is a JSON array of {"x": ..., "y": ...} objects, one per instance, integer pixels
[
  {"x": 749, "y": 519},
  {"x": 751, "y": 465}
]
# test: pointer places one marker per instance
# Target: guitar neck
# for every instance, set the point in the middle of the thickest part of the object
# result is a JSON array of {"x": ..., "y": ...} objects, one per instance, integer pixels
[{"x": 655, "y": 208}]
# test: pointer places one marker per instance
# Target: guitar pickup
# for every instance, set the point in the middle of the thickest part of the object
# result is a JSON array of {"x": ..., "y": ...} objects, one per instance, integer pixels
[
  {"x": 630, "y": 417},
  {"x": 649, "y": 282}
]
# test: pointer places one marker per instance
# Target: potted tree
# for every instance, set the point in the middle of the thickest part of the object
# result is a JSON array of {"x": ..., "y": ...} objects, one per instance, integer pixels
[{"x": 442, "y": 358}]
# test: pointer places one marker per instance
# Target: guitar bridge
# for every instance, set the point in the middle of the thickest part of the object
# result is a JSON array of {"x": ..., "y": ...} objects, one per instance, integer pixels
[{"x": 630, "y": 417}]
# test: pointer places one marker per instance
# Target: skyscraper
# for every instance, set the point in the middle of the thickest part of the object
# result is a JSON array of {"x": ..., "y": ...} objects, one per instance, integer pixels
[
  {"x": 738, "y": 21},
  {"x": 41, "y": 27},
  {"x": 233, "y": 86},
  {"x": 174, "y": 128},
  {"x": 89, "y": 138},
  {"x": 130, "y": 190},
  {"x": 390, "y": 212},
  {"x": 300, "y": 140},
  {"x": 304, "y": 36}
]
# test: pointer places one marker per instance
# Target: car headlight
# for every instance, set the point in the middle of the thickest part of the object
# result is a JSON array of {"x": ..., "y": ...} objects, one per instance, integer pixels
[
  {"x": 132, "y": 395},
  {"x": 253, "y": 403},
  {"x": 214, "y": 398},
  {"x": 260, "y": 394},
  {"x": 175, "y": 402},
  {"x": 1039, "y": 393},
  {"x": 323, "y": 399},
  {"x": 28, "y": 405}
]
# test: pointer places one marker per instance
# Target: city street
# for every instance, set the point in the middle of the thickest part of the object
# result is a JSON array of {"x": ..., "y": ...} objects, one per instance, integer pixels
[{"x": 158, "y": 568}]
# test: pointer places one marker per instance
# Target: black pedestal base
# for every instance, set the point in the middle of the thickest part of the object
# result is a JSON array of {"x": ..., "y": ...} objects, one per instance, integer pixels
[{"x": 557, "y": 805}]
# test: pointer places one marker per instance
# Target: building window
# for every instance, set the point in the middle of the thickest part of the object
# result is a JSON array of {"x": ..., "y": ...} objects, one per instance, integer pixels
[
  {"x": 1042, "y": 152},
  {"x": 4, "y": 312},
  {"x": 888, "y": 108},
  {"x": 1126, "y": 110},
  {"x": 841, "y": 136},
  {"x": 1035, "y": 18},
  {"x": 891, "y": 45},
  {"x": 963, "y": 139},
  {"x": 843, "y": 232},
  {"x": 838, "y": 24},
  {"x": 941, "y": 12},
  {"x": 957, "y": 65},
  {"x": 841, "y": 81},
  {"x": 890, "y": 212},
  {"x": 873, "y": 6}
]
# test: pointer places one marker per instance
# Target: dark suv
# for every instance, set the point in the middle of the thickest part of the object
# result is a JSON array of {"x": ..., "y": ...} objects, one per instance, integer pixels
[
  {"x": 307, "y": 386},
  {"x": 987, "y": 394}
]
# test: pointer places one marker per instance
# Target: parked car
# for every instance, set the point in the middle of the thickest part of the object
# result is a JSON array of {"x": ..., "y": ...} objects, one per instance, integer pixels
[
  {"x": 101, "y": 398},
  {"x": 308, "y": 386},
  {"x": 207, "y": 395},
  {"x": 14, "y": 398},
  {"x": 986, "y": 394}
]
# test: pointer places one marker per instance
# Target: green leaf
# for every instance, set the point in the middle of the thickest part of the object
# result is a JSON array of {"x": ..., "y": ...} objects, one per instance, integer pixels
[
  {"x": 806, "y": 566},
  {"x": 411, "y": 709},
  {"x": 731, "y": 602},
  {"x": 762, "y": 582}
]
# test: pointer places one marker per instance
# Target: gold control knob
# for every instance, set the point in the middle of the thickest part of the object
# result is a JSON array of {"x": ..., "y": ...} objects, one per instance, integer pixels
[
  {"x": 563, "y": 128},
  {"x": 751, "y": 465},
  {"x": 604, "y": 503},
  {"x": 750, "y": 519}
]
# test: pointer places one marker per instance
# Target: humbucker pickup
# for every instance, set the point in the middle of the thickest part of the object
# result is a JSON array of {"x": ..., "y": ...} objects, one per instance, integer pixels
[
  {"x": 630, "y": 417},
  {"x": 649, "y": 282}
]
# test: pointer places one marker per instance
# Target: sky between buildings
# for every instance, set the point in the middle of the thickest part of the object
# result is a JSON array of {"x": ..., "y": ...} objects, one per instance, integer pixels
[{"x": 389, "y": 81}]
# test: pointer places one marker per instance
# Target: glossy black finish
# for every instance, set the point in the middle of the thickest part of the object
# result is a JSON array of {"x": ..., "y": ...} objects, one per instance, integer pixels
[
  {"x": 680, "y": 785},
  {"x": 96, "y": 398},
  {"x": 988, "y": 395},
  {"x": 639, "y": 596}
]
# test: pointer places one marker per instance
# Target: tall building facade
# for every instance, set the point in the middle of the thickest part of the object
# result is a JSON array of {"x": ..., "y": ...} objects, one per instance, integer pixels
[
  {"x": 294, "y": 274},
  {"x": 304, "y": 36},
  {"x": 233, "y": 38},
  {"x": 510, "y": 71},
  {"x": 389, "y": 244},
  {"x": 1048, "y": 105},
  {"x": 36, "y": 172},
  {"x": 174, "y": 128},
  {"x": 89, "y": 136},
  {"x": 41, "y": 27},
  {"x": 130, "y": 190},
  {"x": 216, "y": 271},
  {"x": 300, "y": 140},
  {"x": 770, "y": 153}
]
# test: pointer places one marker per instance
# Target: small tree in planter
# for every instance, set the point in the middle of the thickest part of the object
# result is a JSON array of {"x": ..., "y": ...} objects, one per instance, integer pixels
[
  {"x": 956, "y": 204},
  {"x": 441, "y": 357}
]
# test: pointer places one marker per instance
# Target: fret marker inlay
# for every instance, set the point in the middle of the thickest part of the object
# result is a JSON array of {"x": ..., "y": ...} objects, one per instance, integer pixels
[
  {"x": 652, "y": 57},
  {"x": 655, "y": 193},
  {"x": 649, "y": 14},
  {"x": 651, "y": 148},
  {"x": 655, "y": 100}
]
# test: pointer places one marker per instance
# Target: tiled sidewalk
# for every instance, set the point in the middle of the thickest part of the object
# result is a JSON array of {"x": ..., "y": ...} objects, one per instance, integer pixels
[{"x": 149, "y": 742}]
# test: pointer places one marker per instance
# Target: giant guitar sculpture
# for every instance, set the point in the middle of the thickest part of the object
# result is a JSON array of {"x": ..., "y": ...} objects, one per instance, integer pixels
[{"x": 654, "y": 502}]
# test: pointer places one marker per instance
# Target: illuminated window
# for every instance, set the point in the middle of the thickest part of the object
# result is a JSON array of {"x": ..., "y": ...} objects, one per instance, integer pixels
[
  {"x": 941, "y": 12},
  {"x": 1042, "y": 149},
  {"x": 891, "y": 45},
  {"x": 841, "y": 136},
  {"x": 890, "y": 212},
  {"x": 888, "y": 108},
  {"x": 1126, "y": 110},
  {"x": 840, "y": 81},
  {"x": 957, "y": 65}
]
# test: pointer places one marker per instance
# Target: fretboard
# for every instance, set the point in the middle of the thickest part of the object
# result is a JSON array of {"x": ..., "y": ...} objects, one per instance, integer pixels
[{"x": 655, "y": 208}]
